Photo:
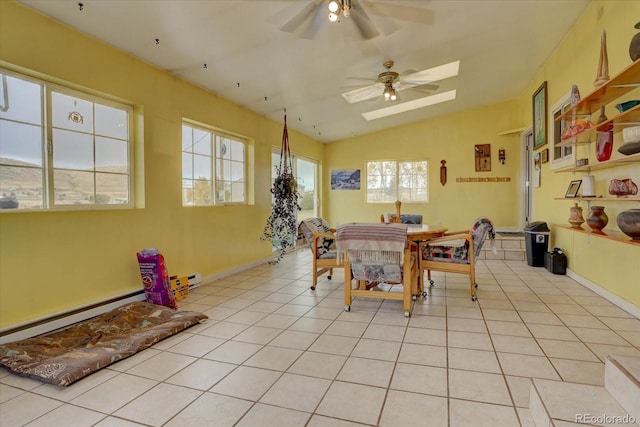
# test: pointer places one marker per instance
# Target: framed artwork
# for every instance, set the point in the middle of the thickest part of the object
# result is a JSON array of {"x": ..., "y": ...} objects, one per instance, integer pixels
[
  {"x": 345, "y": 179},
  {"x": 483, "y": 157},
  {"x": 574, "y": 186},
  {"x": 540, "y": 116},
  {"x": 544, "y": 157}
]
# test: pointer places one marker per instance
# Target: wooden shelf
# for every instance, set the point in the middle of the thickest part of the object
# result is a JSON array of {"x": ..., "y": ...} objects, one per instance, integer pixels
[
  {"x": 617, "y": 236},
  {"x": 621, "y": 161},
  {"x": 617, "y": 86},
  {"x": 601, "y": 199}
]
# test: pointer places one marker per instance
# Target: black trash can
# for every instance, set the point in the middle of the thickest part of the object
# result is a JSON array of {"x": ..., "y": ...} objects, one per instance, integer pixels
[{"x": 536, "y": 237}]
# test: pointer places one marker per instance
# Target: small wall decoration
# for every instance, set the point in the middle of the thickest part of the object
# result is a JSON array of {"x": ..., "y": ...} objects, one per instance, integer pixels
[
  {"x": 574, "y": 186},
  {"x": 483, "y": 157},
  {"x": 540, "y": 116},
  {"x": 443, "y": 172},
  {"x": 537, "y": 169},
  {"x": 544, "y": 155},
  {"x": 345, "y": 179}
]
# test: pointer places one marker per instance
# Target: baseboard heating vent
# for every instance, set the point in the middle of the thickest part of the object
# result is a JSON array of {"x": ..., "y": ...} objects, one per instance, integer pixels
[
  {"x": 195, "y": 279},
  {"x": 62, "y": 320}
]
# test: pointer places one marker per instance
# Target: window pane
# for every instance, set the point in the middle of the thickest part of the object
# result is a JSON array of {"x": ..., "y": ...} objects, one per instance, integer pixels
[
  {"x": 237, "y": 192},
  {"x": 187, "y": 192},
  {"x": 20, "y": 144},
  {"x": 202, "y": 167},
  {"x": 72, "y": 150},
  {"x": 21, "y": 188},
  {"x": 187, "y": 166},
  {"x": 223, "y": 170},
  {"x": 111, "y": 122},
  {"x": 237, "y": 151},
  {"x": 73, "y": 187},
  {"x": 223, "y": 191},
  {"x": 71, "y": 113},
  {"x": 187, "y": 139},
  {"x": 237, "y": 171},
  {"x": 111, "y": 155},
  {"x": 202, "y": 191},
  {"x": 22, "y": 100},
  {"x": 112, "y": 188},
  {"x": 201, "y": 142}
]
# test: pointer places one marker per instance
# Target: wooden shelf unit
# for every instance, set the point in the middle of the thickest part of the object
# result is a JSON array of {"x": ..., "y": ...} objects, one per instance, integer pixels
[
  {"x": 612, "y": 163},
  {"x": 601, "y": 199},
  {"x": 617, "y": 236}
]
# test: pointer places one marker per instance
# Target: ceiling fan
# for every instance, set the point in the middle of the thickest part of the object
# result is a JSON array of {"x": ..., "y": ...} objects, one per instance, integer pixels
[
  {"x": 389, "y": 82},
  {"x": 318, "y": 12}
]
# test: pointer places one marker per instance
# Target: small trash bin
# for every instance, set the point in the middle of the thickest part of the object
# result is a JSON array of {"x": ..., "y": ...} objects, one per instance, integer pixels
[
  {"x": 536, "y": 242},
  {"x": 555, "y": 261}
]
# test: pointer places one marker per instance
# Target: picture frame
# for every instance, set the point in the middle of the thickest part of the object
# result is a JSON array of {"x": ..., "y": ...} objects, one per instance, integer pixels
[
  {"x": 345, "y": 179},
  {"x": 544, "y": 158},
  {"x": 483, "y": 157},
  {"x": 572, "y": 190},
  {"x": 539, "y": 101}
]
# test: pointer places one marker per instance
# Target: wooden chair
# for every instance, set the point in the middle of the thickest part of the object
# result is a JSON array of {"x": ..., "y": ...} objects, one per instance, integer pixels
[
  {"x": 374, "y": 254},
  {"x": 456, "y": 252},
  {"x": 322, "y": 242}
]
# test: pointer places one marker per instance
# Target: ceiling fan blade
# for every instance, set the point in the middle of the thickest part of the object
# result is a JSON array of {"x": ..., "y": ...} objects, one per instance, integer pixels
[
  {"x": 406, "y": 13},
  {"x": 363, "y": 93},
  {"x": 403, "y": 85},
  {"x": 364, "y": 24},
  {"x": 301, "y": 17},
  {"x": 317, "y": 20}
]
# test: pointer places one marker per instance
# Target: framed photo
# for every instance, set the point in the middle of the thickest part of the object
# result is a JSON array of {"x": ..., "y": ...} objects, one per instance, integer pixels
[
  {"x": 574, "y": 186},
  {"x": 345, "y": 179},
  {"x": 540, "y": 116},
  {"x": 544, "y": 155},
  {"x": 483, "y": 157}
]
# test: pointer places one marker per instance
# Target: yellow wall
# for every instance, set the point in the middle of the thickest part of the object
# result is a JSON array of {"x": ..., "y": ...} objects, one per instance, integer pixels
[
  {"x": 451, "y": 138},
  {"x": 55, "y": 261},
  {"x": 612, "y": 265}
]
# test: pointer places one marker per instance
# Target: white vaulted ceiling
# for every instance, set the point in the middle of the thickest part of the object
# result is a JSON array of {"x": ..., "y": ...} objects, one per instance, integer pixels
[{"x": 500, "y": 44}]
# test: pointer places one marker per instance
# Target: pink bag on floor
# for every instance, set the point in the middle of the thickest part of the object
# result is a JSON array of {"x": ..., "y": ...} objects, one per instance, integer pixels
[{"x": 155, "y": 278}]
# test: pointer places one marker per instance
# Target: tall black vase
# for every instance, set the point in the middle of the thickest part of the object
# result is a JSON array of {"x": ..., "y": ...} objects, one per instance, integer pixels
[{"x": 634, "y": 47}]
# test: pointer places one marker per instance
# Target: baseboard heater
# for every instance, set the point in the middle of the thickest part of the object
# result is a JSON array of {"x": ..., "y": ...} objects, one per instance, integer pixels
[{"x": 64, "y": 319}]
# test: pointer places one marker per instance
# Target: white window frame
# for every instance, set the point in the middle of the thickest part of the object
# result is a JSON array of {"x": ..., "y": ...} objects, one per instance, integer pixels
[
  {"x": 48, "y": 146},
  {"x": 216, "y": 158},
  {"x": 560, "y": 156},
  {"x": 397, "y": 181}
]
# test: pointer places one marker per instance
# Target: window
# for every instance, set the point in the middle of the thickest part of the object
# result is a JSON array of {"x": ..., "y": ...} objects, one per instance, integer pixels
[
  {"x": 560, "y": 156},
  {"x": 213, "y": 167},
  {"x": 391, "y": 180},
  {"x": 62, "y": 149}
]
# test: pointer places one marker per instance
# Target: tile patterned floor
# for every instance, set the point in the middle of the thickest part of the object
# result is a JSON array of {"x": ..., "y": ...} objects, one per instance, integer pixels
[{"x": 275, "y": 353}]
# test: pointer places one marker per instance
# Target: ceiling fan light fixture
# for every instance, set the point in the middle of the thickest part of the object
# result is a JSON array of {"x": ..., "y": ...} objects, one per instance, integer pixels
[
  {"x": 410, "y": 105},
  {"x": 334, "y": 6},
  {"x": 333, "y": 17}
]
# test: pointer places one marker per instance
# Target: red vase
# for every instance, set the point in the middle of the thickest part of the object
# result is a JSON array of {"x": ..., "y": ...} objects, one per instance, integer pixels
[{"x": 604, "y": 139}]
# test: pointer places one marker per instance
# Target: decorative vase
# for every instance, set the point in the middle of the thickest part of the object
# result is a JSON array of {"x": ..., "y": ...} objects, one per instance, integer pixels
[
  {"x": 604, "y": 139},
  {"x": 623, "y": 187},
  {"x": 629, "y": 223},
  {"x": 597, "y": 219},
  {"x": 575, "y": 216},
  {"x": 634, "y": 47},
  {"x": 603, "y": 64}
]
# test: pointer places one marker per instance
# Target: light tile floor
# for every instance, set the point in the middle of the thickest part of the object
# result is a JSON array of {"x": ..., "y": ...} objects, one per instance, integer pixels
[{"x": 275, "y": 353}]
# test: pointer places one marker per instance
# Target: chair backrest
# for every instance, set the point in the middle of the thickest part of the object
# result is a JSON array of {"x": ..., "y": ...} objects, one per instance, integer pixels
[
  {"x": 406, "y": 218},
  {"x": 375, "y": 250},
  {"x": 317, "y": 225},
  {"x": 481, "y": 228}
]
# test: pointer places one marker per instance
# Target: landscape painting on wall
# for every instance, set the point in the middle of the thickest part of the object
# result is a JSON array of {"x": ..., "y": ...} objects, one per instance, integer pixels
[{"x": 345, "y": 179}]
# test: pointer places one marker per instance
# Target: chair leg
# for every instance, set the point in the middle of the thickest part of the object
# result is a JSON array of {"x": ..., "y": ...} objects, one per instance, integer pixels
[
  {"x": 472, "y": 280},
  {"x": 347, "y": 288},
  {"x": 429, "y": 277}
]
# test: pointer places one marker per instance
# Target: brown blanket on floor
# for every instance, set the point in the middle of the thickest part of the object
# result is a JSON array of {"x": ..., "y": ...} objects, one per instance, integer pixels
[{"x": 68, "y": 355}]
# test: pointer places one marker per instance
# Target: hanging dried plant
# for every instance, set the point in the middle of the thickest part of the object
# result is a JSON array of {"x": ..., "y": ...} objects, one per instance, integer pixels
[{"x": 281, "y": 225}]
